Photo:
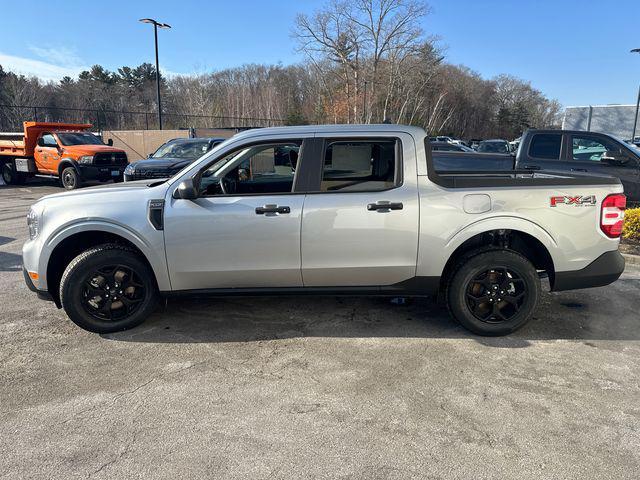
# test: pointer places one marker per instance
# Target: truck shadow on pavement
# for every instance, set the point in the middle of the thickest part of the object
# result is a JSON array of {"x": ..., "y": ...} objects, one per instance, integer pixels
[
  {"x": 10, "y": 262},
  {"x": 580, "y": 315}
]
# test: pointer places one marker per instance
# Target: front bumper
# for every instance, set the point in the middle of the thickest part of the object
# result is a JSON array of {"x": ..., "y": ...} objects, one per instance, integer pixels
[
  {"x": 42, "y": 294},
  {"x": 101, "y": 173},
  {"x": 604, "y": 270}
]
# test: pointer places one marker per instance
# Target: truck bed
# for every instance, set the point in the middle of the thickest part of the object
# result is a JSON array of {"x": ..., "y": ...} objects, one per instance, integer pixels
[
  {"x": 468, "y": 161},
  {"x": 517, "y": 178},
  {"x": 12, "y": 144}
]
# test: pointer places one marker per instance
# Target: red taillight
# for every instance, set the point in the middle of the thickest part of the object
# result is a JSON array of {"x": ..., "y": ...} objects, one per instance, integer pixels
[{"x": 612, "y": 215}]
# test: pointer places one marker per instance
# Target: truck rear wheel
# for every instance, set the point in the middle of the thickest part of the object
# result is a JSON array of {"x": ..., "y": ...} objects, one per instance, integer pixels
[
  {"x": 108, "y": 289},
  {"x": 11, "y": 177},
  {"x": 70, "y": 179},
  {"x": 493, "y": 293}
]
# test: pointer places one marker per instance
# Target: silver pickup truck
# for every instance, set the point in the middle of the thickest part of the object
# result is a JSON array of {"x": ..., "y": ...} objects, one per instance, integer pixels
[{"x": 325, "y": 210}]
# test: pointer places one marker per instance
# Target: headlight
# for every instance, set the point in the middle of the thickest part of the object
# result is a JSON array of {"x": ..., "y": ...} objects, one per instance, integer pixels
[
  {"x": 34, "y": 223},
  {"x": 129, "y": 169},
  {"x": 86, "y": 159}
]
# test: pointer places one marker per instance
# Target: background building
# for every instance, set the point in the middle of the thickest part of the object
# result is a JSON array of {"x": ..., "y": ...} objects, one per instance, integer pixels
[{"x": 612, "y": 119}]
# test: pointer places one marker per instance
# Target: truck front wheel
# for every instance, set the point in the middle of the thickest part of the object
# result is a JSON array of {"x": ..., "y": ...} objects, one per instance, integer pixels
[
  {"x": 70, "y": 179},
  {"x": 493, "y": 293},
  {"x": 108, "y": 289}
]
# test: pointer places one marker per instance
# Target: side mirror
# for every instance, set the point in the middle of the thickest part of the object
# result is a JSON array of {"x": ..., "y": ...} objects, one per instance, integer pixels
[
  {"x": 186, "y": 190},
  {"x": 41, "y": 142},
  {"x": 614, "y": 157},
  {"x": 149, "y": 155},
  {"x": 110, "y": 142}
]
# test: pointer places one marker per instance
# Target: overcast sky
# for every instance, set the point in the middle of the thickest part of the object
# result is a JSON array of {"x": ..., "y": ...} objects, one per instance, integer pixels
[{"x": 575, "y": 51}]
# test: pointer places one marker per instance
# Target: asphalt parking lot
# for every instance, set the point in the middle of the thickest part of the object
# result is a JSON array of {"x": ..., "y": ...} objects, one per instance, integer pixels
[{"x": 315, "y": 387}]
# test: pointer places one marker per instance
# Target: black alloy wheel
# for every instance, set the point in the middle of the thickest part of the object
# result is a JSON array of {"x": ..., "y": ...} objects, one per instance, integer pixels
[
  {"x": 493, "y": 292},
  {"x": 496, "y": 295},
  {"x": 108, "y": 288},
  {"x": 113, "y": 292}
]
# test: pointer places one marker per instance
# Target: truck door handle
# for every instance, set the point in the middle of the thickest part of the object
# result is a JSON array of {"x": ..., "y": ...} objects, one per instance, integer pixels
[
  {"x": 385, "y": 206},
  {"x": 578, "y": 169},
  {"x": 532, "y": 167},
  {"x": 272, "y": 209}
]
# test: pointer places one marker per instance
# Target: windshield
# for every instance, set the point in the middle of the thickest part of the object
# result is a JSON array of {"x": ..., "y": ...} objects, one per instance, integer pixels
[
  {"x": 79, "y": 138},
  {"x": 493, "y": 147},
  {"x": 187, "y": 150}
]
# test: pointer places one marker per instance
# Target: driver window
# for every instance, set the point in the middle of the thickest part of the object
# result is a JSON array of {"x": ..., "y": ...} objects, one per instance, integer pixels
[
  {"x": 264, "y": 168},
  {"x": 589, "y": 148},
  {"x": 48, "y": 140}
]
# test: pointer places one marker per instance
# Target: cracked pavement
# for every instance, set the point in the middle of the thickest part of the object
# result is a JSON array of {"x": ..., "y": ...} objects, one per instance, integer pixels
[{"x": 296, "y": 387}]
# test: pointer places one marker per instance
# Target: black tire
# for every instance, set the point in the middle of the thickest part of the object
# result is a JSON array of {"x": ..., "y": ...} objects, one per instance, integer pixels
[
  {"x": 11, "y": 177},
  {"x": 70, "y": 179},
  {"x": 94, "y": 298},
  {"x": 494, "y": 292}
]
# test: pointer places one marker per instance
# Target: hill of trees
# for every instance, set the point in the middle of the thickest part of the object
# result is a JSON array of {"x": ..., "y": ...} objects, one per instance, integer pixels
[{"x": 366, "y": 61}]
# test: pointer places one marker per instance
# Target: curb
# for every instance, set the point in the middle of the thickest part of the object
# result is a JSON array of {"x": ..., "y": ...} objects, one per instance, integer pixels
[{"x": 631, "y": 259}]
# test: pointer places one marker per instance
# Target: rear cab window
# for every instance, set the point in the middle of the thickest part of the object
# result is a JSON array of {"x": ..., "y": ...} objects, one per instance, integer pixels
[{"x": 546, "y": 146}]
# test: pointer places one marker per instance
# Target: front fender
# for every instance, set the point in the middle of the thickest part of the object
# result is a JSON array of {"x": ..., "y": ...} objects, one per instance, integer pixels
[
  {"x": 68, "y": 162},
  {"x": 154, "y": 253}
]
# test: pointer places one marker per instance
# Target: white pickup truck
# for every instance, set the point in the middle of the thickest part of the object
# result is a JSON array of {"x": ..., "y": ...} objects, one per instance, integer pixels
[{"x": 325, "y": 210}]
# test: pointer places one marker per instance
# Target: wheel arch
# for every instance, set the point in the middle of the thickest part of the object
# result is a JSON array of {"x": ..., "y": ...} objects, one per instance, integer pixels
[
  {"x": 519, "y": 235},
  {"x": 70, "y": 242},
  {"x": 67, "y": 162}
]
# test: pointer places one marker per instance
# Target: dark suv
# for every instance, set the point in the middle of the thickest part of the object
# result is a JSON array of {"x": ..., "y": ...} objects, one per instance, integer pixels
[{"x": 170, "y": 158}]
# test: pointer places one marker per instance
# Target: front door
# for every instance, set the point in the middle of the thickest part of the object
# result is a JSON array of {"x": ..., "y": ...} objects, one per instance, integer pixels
[
  {"x": 360, "y": 228},
  {"x": 244, "y": 229},
  {"x": 47, "y": 154},
  {"x": 587, "y": 154}
]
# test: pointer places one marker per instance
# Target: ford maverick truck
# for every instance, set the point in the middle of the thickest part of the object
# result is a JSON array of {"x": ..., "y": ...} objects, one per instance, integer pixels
[
  {"x": 64, "y": 150},
  {"x": 326, "y": 210}
]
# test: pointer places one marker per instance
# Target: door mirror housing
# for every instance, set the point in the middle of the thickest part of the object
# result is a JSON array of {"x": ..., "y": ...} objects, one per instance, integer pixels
[
  {"x": 186, "y": 190},
  {"x": 110, "y": 142},
  {"x": 615, "y": 157},
  {"x": 40, "y": 142}
]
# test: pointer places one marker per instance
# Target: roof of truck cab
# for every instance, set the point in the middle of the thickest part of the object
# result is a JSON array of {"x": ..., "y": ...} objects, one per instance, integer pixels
[{"x": 306, "y": 129}]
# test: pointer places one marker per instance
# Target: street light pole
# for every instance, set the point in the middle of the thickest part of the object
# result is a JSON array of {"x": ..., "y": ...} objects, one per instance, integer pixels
[
  {"x": 635, "y": 121},
  {"x": 157, "y": 25}
]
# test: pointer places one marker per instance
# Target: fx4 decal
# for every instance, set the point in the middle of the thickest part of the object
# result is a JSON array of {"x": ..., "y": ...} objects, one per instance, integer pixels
[{"x": 576, "y": 201}]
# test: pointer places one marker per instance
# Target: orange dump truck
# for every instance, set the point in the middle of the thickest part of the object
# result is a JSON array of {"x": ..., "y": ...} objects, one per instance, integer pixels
[{"x": 64, "y": 150}]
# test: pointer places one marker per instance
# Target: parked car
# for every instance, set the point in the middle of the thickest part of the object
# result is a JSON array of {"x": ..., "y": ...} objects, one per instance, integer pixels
[
  {"x": 493, "y": 146},
  {"x": 362, "y": 211},
  {"x": 450, "y": 147},
  {"x": 474, "y": 142},
  {"x": 447, "y": 139},
  {"x": 170, "y": 158},
  {"x": 65, "y": 150},
  {"x": 561, "y": 151}
]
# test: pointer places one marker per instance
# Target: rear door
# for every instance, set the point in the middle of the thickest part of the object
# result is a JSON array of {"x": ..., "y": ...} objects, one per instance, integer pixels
[
  {"x": 360, "y": 222},
  {"x": 545, "y": 151}
]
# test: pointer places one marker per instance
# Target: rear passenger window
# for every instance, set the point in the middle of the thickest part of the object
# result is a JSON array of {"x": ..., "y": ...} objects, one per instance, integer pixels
[
  {"x": 546, "y": 145},
  {"x": 360, "y": 166}
]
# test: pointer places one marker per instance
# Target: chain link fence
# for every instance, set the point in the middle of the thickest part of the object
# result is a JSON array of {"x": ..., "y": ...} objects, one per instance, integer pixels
[{"x": 12, "y": 116}]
